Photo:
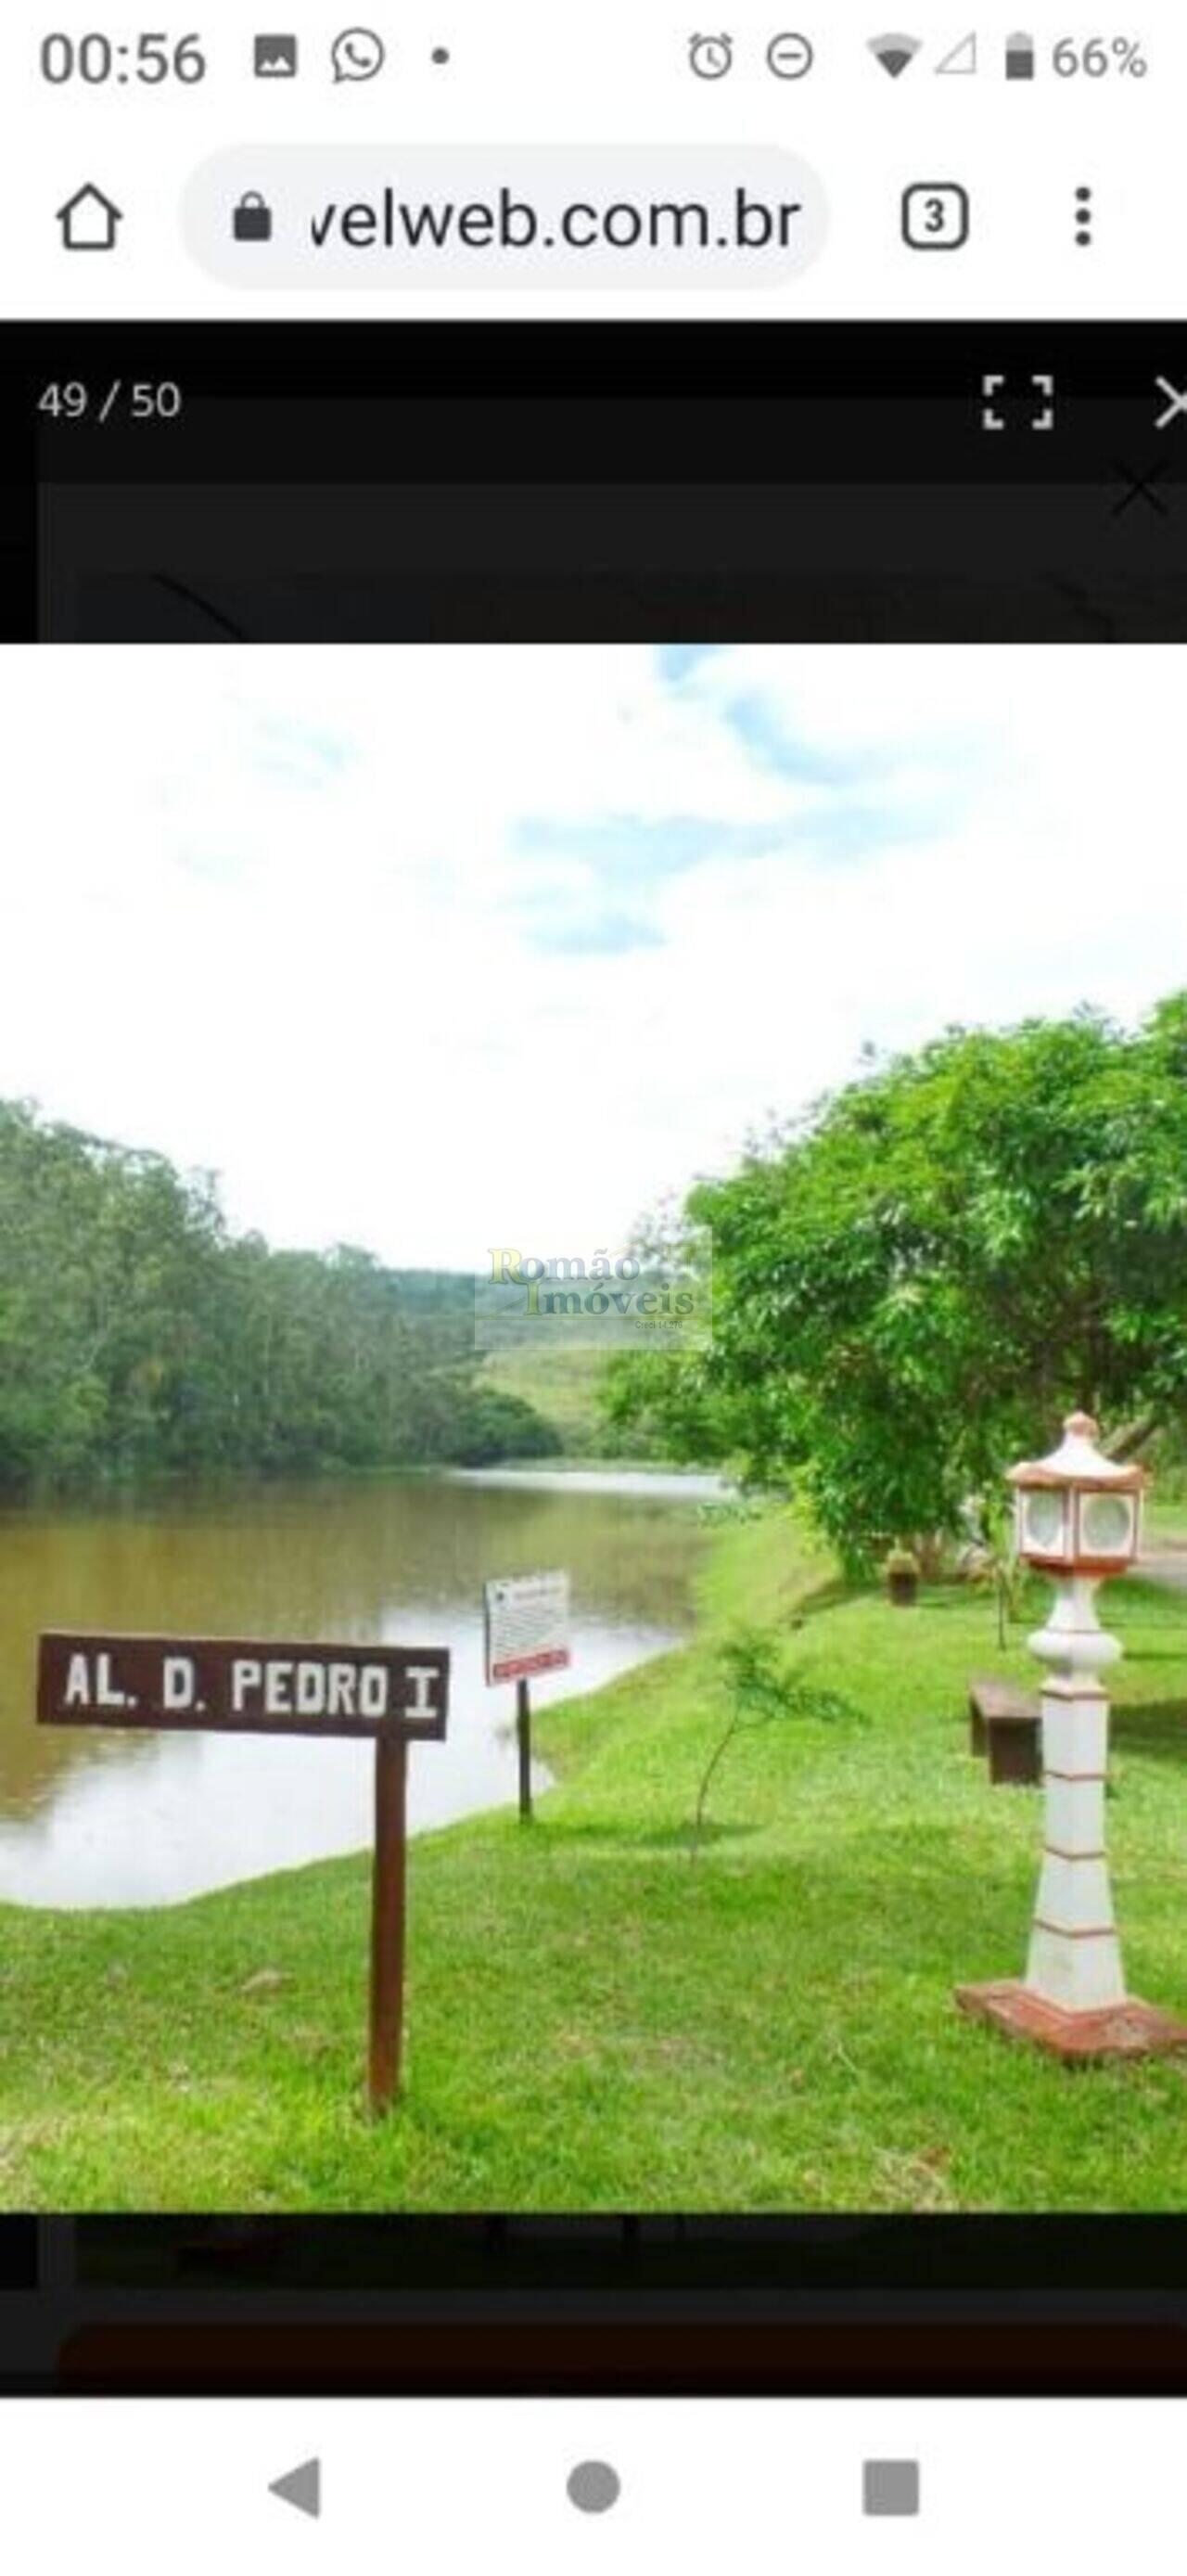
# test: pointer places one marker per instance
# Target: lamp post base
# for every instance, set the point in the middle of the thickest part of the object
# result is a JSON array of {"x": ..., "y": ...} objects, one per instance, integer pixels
[{"x": 1129, "y": 2029}]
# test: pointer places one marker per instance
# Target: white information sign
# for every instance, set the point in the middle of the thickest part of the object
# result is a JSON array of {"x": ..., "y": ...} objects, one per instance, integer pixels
[{"x": 527, "y": 1626}]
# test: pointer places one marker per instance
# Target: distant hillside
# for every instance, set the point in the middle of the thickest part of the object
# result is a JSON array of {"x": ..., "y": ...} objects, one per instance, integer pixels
[
  {"x": 436, "y": 1292},
  {"x": 563, "y": 1386},
  {"x": 560, "y": 1386}
]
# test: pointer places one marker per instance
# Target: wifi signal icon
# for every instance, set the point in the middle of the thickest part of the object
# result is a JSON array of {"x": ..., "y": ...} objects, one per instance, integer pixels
[{"x": 894, "y": 53}]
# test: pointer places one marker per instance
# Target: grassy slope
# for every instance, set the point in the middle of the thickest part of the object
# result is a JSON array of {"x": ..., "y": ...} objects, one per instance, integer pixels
[
  {"x": 596, "y": 2022},
  {"x": 563, "y": 1386}
]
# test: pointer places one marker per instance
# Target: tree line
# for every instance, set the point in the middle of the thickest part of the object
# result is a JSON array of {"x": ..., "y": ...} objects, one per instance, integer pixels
[{"x": 140, "y": 1336}]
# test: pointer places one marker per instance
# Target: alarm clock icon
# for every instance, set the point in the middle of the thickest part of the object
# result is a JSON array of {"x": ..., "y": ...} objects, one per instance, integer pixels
[{"x": 711, "y": 57}]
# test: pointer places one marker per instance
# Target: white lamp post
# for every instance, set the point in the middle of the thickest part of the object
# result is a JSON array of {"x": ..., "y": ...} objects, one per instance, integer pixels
[{"x": 1078, "y": 1519}]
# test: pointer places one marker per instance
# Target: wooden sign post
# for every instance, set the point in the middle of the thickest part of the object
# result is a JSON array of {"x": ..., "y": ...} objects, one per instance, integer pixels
[
  {"x": 388, "y": 1914},
  {"x": 396, "y": 1695},
  {"x": 526, "y": 1624}
]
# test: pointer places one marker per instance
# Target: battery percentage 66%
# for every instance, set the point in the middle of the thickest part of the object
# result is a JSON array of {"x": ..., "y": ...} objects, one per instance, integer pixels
[{"x": 1095, "y": 57}]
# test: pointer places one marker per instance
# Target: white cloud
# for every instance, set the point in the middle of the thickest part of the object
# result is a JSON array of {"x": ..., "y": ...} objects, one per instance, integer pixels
[{"x": 274, "y": 912}]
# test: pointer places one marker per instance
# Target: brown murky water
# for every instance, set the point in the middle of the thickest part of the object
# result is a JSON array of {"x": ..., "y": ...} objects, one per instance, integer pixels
[{"x": 111, "y": 1819}]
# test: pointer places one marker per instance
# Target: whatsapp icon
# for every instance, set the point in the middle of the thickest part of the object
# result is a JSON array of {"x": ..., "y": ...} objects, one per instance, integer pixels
[{"x": 357, "y": 54}]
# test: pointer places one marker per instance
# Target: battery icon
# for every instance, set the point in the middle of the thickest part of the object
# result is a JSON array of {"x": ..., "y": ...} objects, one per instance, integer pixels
[{"x": 1020, "y": 58}]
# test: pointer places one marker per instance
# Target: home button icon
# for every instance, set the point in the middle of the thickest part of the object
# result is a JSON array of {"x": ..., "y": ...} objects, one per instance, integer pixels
[{"x": 89, "y": 220}]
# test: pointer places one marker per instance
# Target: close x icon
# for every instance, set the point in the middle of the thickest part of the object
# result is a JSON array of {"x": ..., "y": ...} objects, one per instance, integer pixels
[
  {"x": 1141, "y": 490},
  {"x": 1174, "y": 400}
]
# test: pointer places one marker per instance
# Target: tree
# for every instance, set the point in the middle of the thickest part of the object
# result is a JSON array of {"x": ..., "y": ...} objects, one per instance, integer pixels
[
  {"x": 761, "y": 1690},
  {"x": 913, "y": 1282},
  {"x": 139, "y": 1338}
]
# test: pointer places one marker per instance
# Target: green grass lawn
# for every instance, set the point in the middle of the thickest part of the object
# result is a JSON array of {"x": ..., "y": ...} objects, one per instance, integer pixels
[{"x": 595, "y": 2021}]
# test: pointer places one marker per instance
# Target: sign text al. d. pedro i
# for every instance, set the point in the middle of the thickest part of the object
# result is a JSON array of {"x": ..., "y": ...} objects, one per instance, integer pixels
[
  {"x": 239, "y": 1686},
  {"x": 397, "y": 1695}
]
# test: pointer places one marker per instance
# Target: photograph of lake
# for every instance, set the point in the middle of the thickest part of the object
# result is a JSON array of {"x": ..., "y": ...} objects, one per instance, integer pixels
[{"x": 593, "y": 1431}]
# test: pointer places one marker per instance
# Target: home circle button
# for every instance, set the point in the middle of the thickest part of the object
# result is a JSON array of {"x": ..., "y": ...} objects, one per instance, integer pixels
[{"x": 593, "y": 2486}]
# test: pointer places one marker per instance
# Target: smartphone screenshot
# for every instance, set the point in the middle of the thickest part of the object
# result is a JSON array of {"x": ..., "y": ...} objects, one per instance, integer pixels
[{"x": 593, "y": 1285}]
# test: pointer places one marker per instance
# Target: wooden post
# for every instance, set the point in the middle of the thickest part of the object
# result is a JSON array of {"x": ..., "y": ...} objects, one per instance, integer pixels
[
  {"x": 387, "y": 1921},
  {"x": 523, "y": 1738}
]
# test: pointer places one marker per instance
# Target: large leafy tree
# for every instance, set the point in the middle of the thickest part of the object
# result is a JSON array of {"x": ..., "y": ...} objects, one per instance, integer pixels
[{"x": 915, "y": 1280}]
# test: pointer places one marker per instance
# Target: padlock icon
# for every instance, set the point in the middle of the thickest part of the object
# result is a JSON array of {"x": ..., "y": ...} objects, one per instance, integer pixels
[{"x": 251, "y": 220}]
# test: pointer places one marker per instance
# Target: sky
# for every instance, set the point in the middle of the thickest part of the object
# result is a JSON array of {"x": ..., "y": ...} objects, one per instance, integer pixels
[{"x": 434, "y": 949}]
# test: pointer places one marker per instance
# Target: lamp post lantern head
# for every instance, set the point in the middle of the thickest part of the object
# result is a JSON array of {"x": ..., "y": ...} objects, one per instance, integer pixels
[{"x": 1076, "y": 1511}]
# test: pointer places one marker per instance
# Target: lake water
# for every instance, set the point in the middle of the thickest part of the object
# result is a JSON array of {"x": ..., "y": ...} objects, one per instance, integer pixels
[{"x": 104, "y": 1818}]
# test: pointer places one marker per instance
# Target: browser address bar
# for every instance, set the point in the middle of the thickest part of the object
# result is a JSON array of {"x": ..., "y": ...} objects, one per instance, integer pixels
[{"x": 534, "y": 215}]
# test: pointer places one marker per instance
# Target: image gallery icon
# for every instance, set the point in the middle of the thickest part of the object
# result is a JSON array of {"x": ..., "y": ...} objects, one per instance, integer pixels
[{"x": 274, "y": 57}]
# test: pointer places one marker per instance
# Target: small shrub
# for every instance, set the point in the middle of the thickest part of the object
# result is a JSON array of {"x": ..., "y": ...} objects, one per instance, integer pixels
[{"x": 762, "y": 1689}]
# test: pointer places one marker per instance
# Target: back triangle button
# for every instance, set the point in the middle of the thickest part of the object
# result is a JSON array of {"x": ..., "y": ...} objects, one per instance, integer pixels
[{"x": 300, "y": 2487}]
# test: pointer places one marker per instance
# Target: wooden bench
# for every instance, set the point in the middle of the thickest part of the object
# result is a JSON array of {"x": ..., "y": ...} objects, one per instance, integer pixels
[{"x": 1005, "y": 1723}]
